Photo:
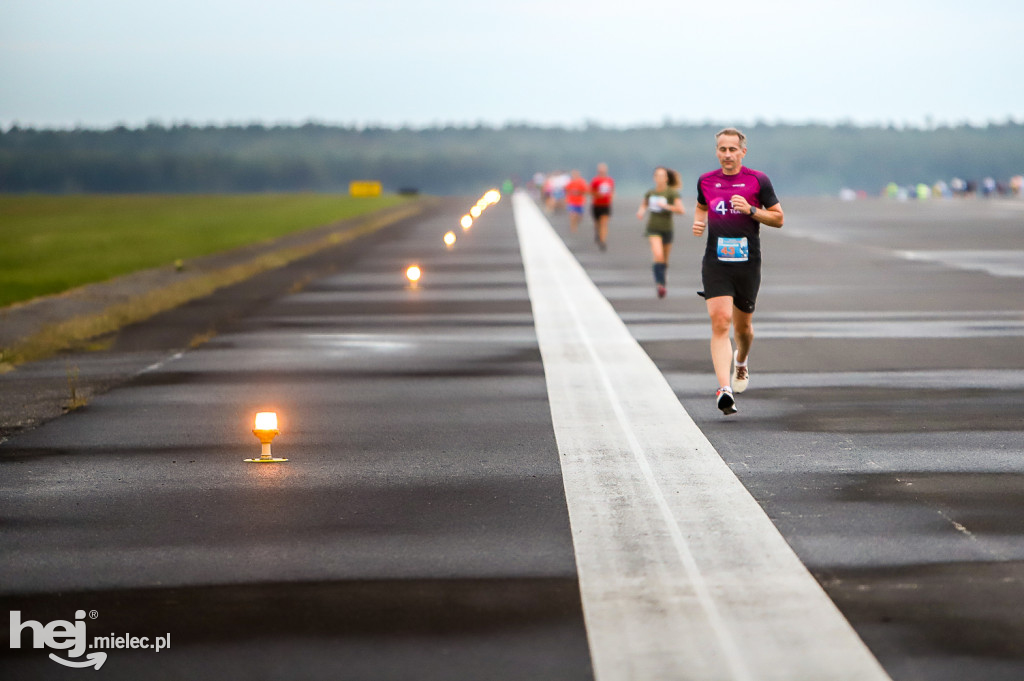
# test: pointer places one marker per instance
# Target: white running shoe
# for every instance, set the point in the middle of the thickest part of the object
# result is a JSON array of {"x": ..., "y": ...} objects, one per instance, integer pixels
[{"x": 740, "y": 376}]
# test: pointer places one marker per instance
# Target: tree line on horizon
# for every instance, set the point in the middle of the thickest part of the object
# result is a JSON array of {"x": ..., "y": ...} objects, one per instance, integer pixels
[{"x": 801, "y": 159}]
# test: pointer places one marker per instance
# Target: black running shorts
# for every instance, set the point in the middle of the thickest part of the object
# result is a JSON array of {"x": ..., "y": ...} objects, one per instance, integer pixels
[
  {"x": 599, "y": 211},
  {"x": 739, "y": 282}
]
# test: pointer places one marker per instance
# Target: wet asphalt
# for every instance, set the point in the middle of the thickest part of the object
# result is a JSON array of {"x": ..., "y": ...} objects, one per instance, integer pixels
[
  {"x": 882, "y": 430},
  {"x": 419, "y": 529}
]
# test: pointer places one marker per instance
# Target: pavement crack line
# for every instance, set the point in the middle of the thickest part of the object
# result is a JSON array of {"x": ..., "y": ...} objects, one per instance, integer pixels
[
  {"x": 962, "y": 529},
  {"x": 682, "y": 574}
]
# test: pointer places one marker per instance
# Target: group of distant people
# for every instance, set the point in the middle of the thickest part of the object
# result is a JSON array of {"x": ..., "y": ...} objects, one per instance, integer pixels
[
  {"x": 570, "y": 191},
  {"x": 732, "y": 204},
  {"x": 957, "y": 188}
]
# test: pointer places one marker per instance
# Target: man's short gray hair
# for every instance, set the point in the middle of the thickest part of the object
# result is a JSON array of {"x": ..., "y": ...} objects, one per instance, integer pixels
[{"x": 732, "y": 131}]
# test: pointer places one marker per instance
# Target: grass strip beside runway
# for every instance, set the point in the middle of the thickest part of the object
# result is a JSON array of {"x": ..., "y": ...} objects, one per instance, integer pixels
[
  {"x": 55, "y": 243},
  {"x": 73, "y": 319}
]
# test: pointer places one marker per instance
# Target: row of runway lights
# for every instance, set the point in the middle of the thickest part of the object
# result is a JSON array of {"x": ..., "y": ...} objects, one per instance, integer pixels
[
  {"x": 265, "y": 425},
  {"x": 414, "y": 273}
]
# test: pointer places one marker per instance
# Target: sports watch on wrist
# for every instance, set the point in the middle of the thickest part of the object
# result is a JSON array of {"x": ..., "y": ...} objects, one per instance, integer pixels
[{"x": 753, "y": 210}]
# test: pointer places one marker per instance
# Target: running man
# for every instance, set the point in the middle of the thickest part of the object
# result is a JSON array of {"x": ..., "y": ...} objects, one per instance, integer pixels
[
  {"x": 732, "y": 204},
  {"x": 602, "y": 189},
  {"x": 576, "y": 199},
  {"x": 556, "y": 187}
]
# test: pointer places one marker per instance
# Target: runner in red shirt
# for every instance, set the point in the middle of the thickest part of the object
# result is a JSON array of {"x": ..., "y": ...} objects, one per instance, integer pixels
[
  {"x": 602, "y": 191},
  {"x": 575, "y": 199}
]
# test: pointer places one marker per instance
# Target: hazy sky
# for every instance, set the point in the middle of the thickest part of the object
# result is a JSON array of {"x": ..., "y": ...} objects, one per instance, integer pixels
[{"x": 97, "y": 63}]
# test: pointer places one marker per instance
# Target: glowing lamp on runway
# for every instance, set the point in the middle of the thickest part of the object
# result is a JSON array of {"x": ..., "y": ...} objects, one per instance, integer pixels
[
  {"x": 475, "y": 212},
  {"x": 266, "y": 430},
  {"x": 492, "y": 197},
  {"x": 466, "y": 222},
  {"x": 449, "y": 239},
  {"x": 413, "y": 274}
]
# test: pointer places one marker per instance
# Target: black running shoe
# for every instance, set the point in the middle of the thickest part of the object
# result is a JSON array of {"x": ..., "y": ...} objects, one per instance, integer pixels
[{"x": 726, "y": 402}]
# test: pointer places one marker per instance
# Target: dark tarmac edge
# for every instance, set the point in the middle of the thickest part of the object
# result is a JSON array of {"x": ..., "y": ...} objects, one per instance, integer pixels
[{"x": 193, "y": 305}]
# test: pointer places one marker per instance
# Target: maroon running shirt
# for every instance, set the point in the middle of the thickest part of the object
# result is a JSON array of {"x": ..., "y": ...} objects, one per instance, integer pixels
[{"x": 728, "y": 227}]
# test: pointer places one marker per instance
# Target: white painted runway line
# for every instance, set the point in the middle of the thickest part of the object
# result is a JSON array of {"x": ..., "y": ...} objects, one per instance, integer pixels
[
  {"x": 682, "y": 575},
  {"x": 1002, "y": 263}
]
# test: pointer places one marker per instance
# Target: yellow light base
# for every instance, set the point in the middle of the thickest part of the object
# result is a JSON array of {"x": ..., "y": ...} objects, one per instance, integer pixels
[{"x": 270, "y": 460}]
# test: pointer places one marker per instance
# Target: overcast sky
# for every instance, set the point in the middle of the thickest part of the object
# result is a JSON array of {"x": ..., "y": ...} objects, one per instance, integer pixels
[{"x": 97, "y": 63}]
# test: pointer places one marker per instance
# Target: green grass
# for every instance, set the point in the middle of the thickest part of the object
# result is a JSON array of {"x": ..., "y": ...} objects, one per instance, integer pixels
[{"x": 50, "y": 244}]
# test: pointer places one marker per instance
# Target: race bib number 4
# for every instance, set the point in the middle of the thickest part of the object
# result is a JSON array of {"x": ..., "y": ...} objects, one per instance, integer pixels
[{"x": 733, "y": 249}]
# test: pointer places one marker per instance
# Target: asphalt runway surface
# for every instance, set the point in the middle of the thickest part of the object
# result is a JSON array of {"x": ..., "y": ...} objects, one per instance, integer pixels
[{"x": 421, "y": 529}]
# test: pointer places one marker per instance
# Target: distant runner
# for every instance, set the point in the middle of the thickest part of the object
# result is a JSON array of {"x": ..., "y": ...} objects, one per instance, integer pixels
[
  {"x": 732, "y": 204},
  {"x": 575, "y": 199},
  {"x": 556, "y": 199},
  {"x": 602, "y": 191},
  {"x": 661, "y": 202}
]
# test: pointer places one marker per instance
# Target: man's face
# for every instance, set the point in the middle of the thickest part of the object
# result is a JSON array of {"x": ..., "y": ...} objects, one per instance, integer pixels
[{"x": 730, "y": 154}]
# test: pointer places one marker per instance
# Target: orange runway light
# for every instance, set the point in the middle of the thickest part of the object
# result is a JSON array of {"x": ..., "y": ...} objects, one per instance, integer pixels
[
  {"x": 413, "y": 274},
  {"x": 466, "y": 222},
  {"x": 265, "y": 429},
  {"x": 449, "y": 239},
  {"x": 475, "y": 212}
]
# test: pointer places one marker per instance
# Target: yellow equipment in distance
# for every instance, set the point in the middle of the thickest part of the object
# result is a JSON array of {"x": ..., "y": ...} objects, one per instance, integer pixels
[{"x": 364, "y": 188}]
